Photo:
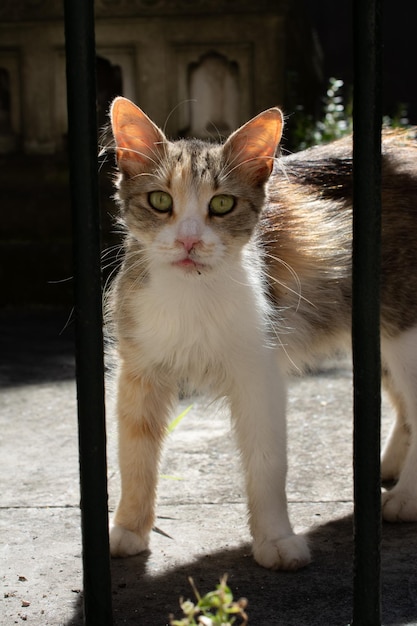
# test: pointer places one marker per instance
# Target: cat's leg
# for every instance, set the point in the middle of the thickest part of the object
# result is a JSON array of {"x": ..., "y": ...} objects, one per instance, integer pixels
[
  {"x": 142, "y": 410},
  {"x": 397, "y": 444},
  {"x": 400, "y": 353},
  {"x": 258, "y": 403}
]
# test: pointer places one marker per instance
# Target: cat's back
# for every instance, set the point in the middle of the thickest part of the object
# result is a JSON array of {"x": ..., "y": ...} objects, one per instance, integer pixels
[
  {"x": 327, "y": 168},
  {"x": 307, "y": 235},
  {"x": 314, "y": 187}
]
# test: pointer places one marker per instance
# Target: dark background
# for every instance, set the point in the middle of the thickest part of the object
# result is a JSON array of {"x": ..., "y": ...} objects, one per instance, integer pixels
[
  {"x": 332, "y": 20},
  {"x": 35, "y": 235}
]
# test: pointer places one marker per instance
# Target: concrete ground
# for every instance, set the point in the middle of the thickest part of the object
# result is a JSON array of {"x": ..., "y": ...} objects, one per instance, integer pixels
[{"x": 201, "y": 502}]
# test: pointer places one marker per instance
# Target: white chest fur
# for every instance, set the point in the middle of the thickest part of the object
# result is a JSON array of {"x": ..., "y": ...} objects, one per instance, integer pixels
[{"x": 198, "y": 326}]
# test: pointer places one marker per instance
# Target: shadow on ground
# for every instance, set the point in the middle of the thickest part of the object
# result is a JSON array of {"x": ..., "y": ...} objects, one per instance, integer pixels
[
  {"x": 36, "y": 347},
  {"x": 318, "y": 595}
]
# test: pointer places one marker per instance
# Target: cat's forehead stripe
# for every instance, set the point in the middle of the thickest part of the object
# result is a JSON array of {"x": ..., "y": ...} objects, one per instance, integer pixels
[{"x": 199, "y": 159}]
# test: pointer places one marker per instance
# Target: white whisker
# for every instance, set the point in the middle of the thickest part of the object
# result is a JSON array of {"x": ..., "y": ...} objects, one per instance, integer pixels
[
  {"x": 285, "y": 285},
  {"x": 180, "y": 104}
]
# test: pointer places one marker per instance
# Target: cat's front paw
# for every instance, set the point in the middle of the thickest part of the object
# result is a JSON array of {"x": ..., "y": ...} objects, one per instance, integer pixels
[
  {"x": 399, "y": 505},
  {"x": 287, "y": 553},
  {"x": 124, "y": 542}
]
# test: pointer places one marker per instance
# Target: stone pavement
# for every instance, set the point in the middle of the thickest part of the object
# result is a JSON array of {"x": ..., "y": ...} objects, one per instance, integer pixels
[{"x": 201, "y": 502}]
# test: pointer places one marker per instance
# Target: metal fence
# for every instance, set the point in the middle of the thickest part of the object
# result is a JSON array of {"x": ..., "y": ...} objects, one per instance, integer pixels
[
  {"x": 80, "y": 50},
  {"x": 365, "y": 312}
]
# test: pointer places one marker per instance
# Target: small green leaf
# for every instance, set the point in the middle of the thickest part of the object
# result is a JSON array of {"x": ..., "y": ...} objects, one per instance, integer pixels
[
  {"x": 172, "y": 425},
  {"x": 168, "y": 477}
]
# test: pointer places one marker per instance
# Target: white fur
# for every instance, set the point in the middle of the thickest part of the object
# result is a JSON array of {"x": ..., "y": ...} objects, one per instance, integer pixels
[
  {"x": 400, "y": 354},
  {"x": 124, "y": 542},
  {"x": 188, "y": 322},
  {"x": 210, "y": 329}
]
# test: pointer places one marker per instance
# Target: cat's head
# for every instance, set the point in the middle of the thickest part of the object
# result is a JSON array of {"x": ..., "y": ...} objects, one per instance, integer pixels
[{"x": 191, "y": 204}]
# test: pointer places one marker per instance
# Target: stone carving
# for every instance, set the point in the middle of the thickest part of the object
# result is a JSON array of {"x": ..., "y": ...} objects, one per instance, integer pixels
[{"x": 214, "y": 92}]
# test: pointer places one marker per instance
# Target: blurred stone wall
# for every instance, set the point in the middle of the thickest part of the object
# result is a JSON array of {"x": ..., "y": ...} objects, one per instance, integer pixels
[{"x": 196, "y": 68}]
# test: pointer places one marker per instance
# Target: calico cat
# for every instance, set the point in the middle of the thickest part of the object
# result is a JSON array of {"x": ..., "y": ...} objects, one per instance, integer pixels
[{"x": 237, "y": 268}]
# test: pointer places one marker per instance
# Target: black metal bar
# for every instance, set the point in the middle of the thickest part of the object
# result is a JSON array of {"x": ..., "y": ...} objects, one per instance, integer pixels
[
  {"x": 80, "y": 52},
  {"x": 366, "y": 310}
]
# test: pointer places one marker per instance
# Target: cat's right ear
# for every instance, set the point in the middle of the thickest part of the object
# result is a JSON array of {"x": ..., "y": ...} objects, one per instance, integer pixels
[{"x": 139, "y": 142}]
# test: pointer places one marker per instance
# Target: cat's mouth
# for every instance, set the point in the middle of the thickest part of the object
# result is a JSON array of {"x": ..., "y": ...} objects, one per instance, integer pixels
[{"x": 189, "y": 264}]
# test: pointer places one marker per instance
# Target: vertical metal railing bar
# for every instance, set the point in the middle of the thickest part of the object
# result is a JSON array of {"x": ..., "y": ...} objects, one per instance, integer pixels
[
  {"x": 81, "y": 99},
  {"x": 366, "y": 310}
]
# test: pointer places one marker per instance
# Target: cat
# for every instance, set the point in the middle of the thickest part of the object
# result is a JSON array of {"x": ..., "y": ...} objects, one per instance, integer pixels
[{"x": 237, "y": 269}]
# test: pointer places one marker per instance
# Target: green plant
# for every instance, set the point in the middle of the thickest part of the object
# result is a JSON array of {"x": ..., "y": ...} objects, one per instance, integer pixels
[
  {"x": 170, "y": 428},
  {"x": 399, "y": 119},
  {"x": 215, "y": 608},
  {"x": 172, "y": 425},
  {"x": 336, "y": 120}
]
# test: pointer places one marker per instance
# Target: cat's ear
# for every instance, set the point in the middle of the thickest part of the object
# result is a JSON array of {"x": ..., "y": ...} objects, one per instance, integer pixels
[
  {"x": 252, "y": 147},
  {"x": 139, "y": 142}
]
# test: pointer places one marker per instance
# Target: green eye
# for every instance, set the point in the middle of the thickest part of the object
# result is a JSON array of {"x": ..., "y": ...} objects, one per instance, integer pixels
[
  {"x": 160, "y": 201},
  {"x": 221, "y": 204}
]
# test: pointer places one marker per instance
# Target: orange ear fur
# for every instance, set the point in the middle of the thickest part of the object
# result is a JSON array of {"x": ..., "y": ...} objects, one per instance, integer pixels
[
  {"x": 138, "y": 139},
  {"x": 253, "y": 145}
]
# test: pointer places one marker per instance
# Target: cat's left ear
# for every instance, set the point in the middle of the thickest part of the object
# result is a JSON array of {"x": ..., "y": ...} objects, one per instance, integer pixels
[
  {"x": 139, "y": 142},
  {"x": 252, "y": 147}
]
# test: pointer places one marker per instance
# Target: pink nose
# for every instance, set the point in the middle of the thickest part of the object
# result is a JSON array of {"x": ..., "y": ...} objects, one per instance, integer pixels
[
  {"x": 188, "y": 242},
  {"x": 189, "y": 233}
]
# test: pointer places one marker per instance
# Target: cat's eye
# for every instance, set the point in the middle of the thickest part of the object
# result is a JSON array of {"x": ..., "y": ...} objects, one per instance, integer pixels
[
  {"x": 160, "y": 201},
  {"x": 221, "y": 204}
]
